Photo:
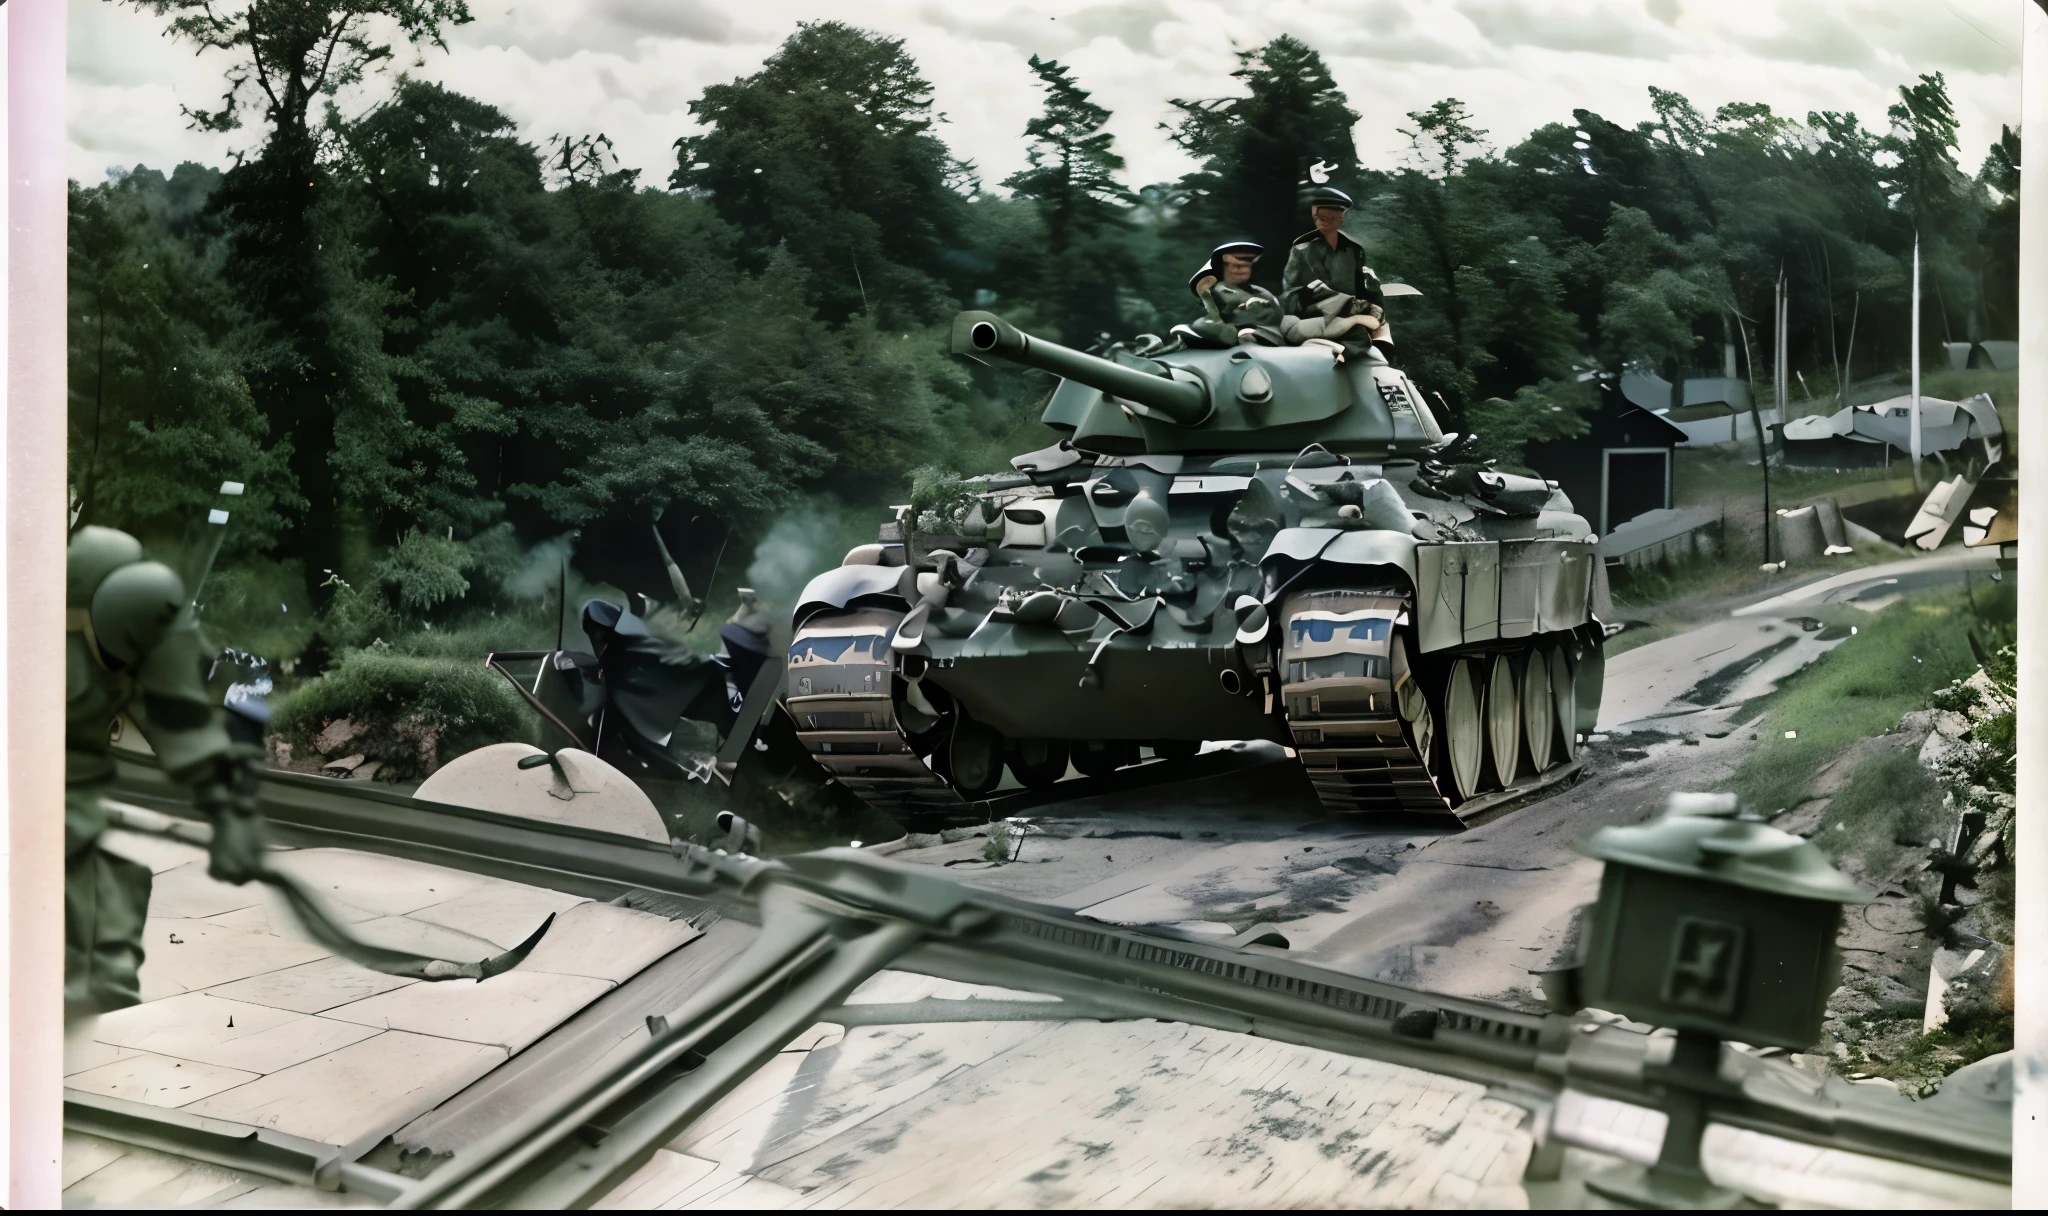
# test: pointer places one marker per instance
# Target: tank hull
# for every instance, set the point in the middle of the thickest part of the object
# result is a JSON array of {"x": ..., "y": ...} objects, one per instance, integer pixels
[{"x": 1249, "y": 544}]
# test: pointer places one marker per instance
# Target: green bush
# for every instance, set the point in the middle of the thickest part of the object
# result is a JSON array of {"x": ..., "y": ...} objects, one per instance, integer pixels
[
  {"x": 410, "y": 714},
  {"x": 423, "y": 571},
  {"x": 938, "y": 499}
]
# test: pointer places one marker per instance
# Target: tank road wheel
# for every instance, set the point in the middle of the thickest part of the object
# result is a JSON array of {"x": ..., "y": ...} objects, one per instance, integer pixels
[
  {"x": 1418, "y": 723},
  {"x": 1464, "y": 729},
  {"x": 1101, "y": 757},
  {"x": 1539, "y": 712},
  {"x": 974, "y": 754},
  {"x": 1564, "y": 696},
  {"x": 1503, "y": 712},
  {"x": 1037, "y": 763}
]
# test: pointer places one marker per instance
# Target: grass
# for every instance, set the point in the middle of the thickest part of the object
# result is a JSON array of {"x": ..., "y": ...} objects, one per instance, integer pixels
[
  {"x": 1676, "y": 586},
  {"x": 1888, "y": 801},
  {"x": 1001, "y": 843},
  {"x": 1729, "y": 478},
  {"x": 1861, "y": 688}
]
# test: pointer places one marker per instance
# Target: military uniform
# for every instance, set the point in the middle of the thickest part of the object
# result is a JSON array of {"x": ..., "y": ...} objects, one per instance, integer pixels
[
  {"x": 1311, "y": 259},
  {"x": 1231, "y": 309},
  {"x": 132, "y": 646}
]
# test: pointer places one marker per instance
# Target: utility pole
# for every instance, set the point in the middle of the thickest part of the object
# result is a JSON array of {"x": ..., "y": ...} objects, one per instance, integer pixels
[
  {"x": 1763, "y": 449},
  {"x": 1915, "y": 422}
]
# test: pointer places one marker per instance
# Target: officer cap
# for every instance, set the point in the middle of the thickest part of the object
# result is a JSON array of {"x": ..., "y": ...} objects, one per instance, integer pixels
[{"x": 1329, "y": 196}]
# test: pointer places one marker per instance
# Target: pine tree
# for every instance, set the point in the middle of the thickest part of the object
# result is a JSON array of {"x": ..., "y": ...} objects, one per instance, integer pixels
[
  {"x": 1073, "y": 181},
  {"x": 1254, "y": 149}
]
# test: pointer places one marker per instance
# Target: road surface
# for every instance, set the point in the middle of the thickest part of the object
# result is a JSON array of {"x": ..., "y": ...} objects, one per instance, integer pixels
[{"x": 1473, "y": 913}]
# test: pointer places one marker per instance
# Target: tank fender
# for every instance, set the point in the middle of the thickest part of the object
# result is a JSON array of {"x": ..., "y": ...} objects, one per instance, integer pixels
[
  {"x": 1293, "y": 548},
  {"x": 1457, "y": 594},
  {"x": 840, "y": 586},
  {"x": 1365, "y": 547}
]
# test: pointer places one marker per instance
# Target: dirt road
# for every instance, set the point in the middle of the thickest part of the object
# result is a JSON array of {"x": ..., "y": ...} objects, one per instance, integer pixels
[{"x": 1472, "y": 913}]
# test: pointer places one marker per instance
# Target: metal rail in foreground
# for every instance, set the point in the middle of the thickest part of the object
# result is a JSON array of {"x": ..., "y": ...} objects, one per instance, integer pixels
[
  {"x": 832, "y": 919},
  {"x": 258, "y": 1151},
  {"x": 318, "y": 812}
]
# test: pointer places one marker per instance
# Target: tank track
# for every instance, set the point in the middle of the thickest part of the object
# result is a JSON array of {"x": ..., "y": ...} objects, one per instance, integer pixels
[
  {"x": 1337, "y": 690},
  {"x": 842, "y": 693}
]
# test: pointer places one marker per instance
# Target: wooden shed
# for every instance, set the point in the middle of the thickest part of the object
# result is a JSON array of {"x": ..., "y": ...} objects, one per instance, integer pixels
[{"x": 1619, "y": 469}]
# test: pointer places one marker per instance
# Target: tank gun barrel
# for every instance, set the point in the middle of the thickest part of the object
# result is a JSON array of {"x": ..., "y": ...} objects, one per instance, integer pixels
[{"x": 986, "y": 335}]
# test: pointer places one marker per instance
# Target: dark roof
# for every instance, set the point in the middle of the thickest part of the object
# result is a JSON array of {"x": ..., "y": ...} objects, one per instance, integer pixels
[{"x": 1660, "y": 430}]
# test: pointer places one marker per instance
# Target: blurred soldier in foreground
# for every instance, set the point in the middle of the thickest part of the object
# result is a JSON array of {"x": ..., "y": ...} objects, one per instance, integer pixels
[
  {"x": 1327, "y": 284},
  {"x": 1237, "y": 310},
  {"x": 132, "y": 646}
]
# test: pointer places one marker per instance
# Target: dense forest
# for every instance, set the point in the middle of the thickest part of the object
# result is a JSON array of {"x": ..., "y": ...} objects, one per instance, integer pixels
[{"x": 433, "y": 345}]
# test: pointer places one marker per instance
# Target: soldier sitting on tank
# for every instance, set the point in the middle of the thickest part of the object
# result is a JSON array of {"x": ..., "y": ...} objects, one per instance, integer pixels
[
  {"x": 132, "y": 646},
  {"x": 1329, "y": 291},
  {"x": 1238, "y": 310}
]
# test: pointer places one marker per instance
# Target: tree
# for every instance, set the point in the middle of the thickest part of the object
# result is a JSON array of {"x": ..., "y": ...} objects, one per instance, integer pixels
[
  {"x": 1073, "y": 166},
  {"x": 1932, "y": 191},
  {"x": 1254, "y": 149},
  {"x": 588, "y": 354},
  {"x": 159, "y": 415},
  {"x": 2000, "y": 263},
  {"x": 1657, "y": 292},
  {"x": 313, "y": 360},
  {"x": 829, "y": 151},
  {"x": 1490, "y": 321},
  {"x": 1072, "y": 179}
]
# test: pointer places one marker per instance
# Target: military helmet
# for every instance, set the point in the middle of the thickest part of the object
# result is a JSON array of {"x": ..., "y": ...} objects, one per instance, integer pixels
[
  {"x": 1213, "y": 268},
  {"x": 93, "y": 554},
  {"x": 1329, "y": 196}
]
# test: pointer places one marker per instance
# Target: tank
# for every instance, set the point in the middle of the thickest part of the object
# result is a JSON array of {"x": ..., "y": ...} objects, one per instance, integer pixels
[{"x": 1254, "y": 542}]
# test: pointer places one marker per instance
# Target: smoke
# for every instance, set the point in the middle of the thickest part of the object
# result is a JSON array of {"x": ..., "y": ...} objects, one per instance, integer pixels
[
  {"x": 541, "y": 569},
  {"x": 801, "y": 543}
]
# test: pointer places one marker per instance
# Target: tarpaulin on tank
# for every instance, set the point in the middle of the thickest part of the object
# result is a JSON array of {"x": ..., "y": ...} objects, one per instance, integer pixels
[
  {"x": 1374, "y": 547},
  {"x": 840, "y": 586}
]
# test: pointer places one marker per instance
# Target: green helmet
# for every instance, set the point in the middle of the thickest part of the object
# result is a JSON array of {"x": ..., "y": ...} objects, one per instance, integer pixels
[
  {"x": 122, "y": 603},
  {"x": 95, "y": 553}
]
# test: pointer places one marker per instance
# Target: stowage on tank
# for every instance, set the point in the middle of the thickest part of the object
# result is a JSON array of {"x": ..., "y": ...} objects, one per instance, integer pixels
[{"x": 1248, "y": 542}]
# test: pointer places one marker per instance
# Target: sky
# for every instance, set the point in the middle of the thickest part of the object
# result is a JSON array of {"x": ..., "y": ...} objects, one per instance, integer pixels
[{"x": 630, "y": 68}]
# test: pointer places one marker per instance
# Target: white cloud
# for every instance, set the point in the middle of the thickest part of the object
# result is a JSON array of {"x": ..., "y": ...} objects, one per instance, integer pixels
[{"x": 630, "y": 68}]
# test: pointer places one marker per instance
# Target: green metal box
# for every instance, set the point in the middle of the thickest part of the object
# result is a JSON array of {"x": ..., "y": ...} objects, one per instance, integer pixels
[{"x": 1716, "y": 925}]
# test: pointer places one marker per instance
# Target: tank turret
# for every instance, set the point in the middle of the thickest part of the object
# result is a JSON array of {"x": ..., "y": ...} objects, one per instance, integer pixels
[
  {"x": 1234, "y": 542},
  {"x": 1233, "y": 399}
]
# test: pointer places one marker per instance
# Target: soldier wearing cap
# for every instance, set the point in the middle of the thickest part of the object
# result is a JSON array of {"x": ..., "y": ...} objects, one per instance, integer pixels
[
  {"x": 1327, "y": 283},
  {"x": 133, "y": 648},
  {"x": 1237, "y": 309}
]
